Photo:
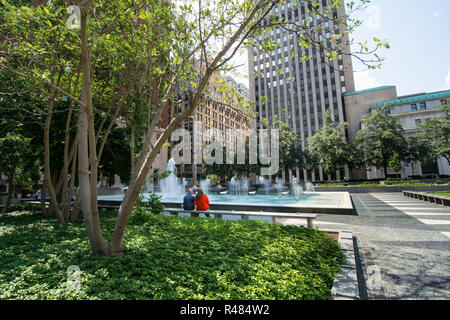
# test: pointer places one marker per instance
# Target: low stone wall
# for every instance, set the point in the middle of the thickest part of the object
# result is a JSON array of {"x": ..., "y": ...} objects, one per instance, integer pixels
[
  {"x": 109, "y": 191},
  {"x": 384, "y": 189}
]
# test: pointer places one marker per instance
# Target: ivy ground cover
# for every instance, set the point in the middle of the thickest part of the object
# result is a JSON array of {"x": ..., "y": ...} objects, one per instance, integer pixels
[{"x": 166, "y": 258}]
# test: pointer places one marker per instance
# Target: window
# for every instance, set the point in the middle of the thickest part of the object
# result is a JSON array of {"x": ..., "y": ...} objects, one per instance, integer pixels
[
  {"x": 414, "y": 107},
  {"x": 423, "y": 106},
  {"x": 418, "y": 121}
]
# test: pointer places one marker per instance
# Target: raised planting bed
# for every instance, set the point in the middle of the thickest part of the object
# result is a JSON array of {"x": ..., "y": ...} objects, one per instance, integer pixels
[
  {"x": 430, "y": 197},
  {"x": 384, "y": 188}
]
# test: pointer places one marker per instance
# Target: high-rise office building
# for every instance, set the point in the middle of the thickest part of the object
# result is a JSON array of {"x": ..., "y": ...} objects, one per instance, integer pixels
[{"x": 300, "y": 90}]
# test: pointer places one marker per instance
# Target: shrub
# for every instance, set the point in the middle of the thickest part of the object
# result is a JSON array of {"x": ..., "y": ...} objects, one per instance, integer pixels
[
  {"x": 140, "y": 213},
  {"x": 154, "y": 204},
  {"x": 145, "y": 207},
  {"x": 213, "y": 179}
]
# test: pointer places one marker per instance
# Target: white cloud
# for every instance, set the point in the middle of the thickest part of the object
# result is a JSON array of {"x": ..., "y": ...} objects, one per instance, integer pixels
[{"x": 364, "y": 80}]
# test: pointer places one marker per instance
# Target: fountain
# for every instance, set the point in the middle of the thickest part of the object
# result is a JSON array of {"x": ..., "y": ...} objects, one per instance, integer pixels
[
  {"x": 266, "y": 184},
  {"x": 279, "y": 185},
  {"x": 309, "y": 187},
  {"x": 170, "y": 186},
  {"x": 296, "y": 189},
  {"x": 245, "y": 184},
  {"x": 205, "y": 185},
  {"x": 233, "y": 187},
  {"x": 237, "y": 197},
  {"x": 238, "y": 187}
]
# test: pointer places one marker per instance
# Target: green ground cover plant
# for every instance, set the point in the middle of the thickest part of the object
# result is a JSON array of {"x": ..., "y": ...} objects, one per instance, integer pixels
[
  {"x": 167, "y": 257},
  {"x": 388, "y": 183},
  {"x": 445, "y": 194}
]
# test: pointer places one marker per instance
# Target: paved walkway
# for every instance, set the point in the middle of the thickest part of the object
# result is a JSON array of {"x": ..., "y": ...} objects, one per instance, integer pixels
[{"x": 403, "y": 246}]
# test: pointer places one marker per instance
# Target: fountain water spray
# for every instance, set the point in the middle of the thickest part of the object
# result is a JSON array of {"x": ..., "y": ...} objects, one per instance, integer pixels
[
  {"x": 266, "y": 184},
  {"x": 296, "y": 189},
  {"x": 170, "y": 186},
  {"x": 238, "y": 187},
  {"x": 309, "y": 186},
  {"x": 279, "y": 185},
  {"x": 205, "y": 185}
]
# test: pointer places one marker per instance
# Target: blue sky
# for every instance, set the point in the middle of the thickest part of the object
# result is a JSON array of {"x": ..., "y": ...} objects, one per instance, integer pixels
[{"x": 419, "y": 35}]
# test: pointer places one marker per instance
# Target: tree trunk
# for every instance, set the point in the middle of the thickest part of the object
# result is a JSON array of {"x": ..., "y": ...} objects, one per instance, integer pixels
[
  {"x": 87, "y": 153},
  {"x": 43, "y": 207},
  {"x": 47, "y": 172},
  {"x": 76, "y": 207},
  {"x": 133, "y": 156},
  {"x": 10, "y": 194}
]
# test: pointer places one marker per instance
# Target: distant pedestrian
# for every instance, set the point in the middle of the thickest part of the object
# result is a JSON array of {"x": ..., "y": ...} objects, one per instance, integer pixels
[
  {"x": 201, "y": 202},
  {"x": 188, "y": 201},
  {"x": 37, "y": 195}
]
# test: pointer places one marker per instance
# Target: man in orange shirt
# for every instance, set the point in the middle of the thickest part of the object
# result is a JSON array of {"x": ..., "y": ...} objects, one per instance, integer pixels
[{"x": 201, "y": 202}]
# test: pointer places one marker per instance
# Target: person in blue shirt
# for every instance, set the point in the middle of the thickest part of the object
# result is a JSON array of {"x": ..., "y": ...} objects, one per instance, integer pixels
[{"x": 188, "y": 201}]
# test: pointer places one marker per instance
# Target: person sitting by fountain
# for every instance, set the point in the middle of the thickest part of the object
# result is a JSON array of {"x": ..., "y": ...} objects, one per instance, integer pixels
[
  {"x": 188, "y": 201},
  {"x": 201, "y": 202}
]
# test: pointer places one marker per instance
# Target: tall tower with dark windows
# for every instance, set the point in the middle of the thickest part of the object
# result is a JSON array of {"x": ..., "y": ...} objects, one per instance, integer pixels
[{"x": 297, "y": 84}]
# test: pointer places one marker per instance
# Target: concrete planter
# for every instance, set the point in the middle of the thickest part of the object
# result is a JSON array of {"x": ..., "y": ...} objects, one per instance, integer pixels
[
  {"x": 345, "y": 285},
  {"x": 433, "y": 198}
]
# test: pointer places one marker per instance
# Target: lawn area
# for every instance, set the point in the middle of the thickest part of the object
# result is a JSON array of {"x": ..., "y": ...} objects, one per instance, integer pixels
[
  {"x": 445, "y": 194},
  {"x": 167, "y": 258}
]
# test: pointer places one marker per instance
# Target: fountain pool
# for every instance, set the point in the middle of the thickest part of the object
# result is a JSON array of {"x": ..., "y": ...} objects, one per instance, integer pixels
[
  {"x": 275, "y": 199},
  {"x": 307, "y": 202}
]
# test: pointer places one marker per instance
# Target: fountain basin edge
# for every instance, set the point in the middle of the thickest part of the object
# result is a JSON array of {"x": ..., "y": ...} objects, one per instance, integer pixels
[{"x": 345, "y": 206}]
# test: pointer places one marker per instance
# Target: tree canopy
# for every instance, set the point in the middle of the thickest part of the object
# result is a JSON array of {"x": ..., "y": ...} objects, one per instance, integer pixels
[
  {"x": 328, "y": 147},
  {"x": 434, "y": 133},
  {"x": 380, "y": 137}
]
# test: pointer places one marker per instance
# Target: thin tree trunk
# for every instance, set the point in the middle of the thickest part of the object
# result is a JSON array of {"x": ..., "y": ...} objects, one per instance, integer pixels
[
  {"x": 43, "y": 206},
  {"x": 10, "y": 194},
  {"x": 87, "y": 153},
  {"x": 73, "y": 217},
  {"x": 47, "y": 173},
  {"x": 132, "y": 146},
  {"x": 65, "y": 199},
  {"x": 76, "y": 207}
]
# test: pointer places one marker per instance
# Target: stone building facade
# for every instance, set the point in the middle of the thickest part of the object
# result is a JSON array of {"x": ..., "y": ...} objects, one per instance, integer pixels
[{"x": 410, "y": 110}]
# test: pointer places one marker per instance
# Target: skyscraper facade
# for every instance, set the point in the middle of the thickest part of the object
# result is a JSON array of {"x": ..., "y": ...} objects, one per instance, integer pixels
[{"x": 287, "y": 86}]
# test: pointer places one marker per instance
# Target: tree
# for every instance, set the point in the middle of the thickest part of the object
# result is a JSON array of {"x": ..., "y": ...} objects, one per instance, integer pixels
[
  {"x": 395, "y": 163},
  {"x": 434, "y": 133},
  {"x": 328, "y": 146},
  {"x": 417, "y": 150},
  {"x": 13, "y": 150},
  {"x": 379, "y": 139},
  {"x": 150, "y": 50}
]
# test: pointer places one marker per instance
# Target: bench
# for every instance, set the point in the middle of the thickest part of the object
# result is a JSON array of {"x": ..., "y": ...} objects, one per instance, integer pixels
[
  {"x": 424, "y": 196},
  {"x": 218, "y": 214},
  {"x": 105, "y": 207}
]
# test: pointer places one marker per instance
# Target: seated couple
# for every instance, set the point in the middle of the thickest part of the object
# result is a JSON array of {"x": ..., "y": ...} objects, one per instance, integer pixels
[{"x": 199, "y": 202}]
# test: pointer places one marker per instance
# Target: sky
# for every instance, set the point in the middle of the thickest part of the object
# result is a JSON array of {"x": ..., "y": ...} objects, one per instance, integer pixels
[{"x": 418, "y": 32}]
